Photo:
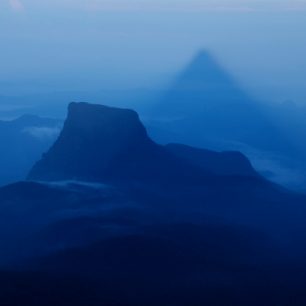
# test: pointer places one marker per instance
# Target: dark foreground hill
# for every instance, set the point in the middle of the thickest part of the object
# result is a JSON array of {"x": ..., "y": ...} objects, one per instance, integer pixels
[
  {"x": 118, "y": 232},
  {"x": 82, "y": 244}
]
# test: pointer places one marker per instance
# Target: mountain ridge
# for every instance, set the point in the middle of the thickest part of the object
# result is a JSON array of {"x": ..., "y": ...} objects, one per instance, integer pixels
[{"x": 106, "y": 143}]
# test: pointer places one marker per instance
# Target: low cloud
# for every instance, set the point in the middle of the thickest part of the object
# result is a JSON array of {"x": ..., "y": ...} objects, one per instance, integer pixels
[{"x": 42, "y": 133}]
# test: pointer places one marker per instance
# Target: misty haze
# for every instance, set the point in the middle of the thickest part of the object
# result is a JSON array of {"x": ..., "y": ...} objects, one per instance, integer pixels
[{"x": 152, "y": 153}]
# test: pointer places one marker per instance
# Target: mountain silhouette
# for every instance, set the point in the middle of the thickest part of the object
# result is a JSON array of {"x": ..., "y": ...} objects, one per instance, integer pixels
[
  {"x": 202, "y": 85},
  {"x": 220, "y": 163},
  {"x": 205, "y": 105},
  {"x": 100, "y": 143},
  {"x": 125, "y": 232}
]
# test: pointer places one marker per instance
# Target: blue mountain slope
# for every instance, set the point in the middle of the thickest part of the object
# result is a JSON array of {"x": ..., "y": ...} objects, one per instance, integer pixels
[
  {"x": 120, "y": 220},
  {"x": 22, "y": 142}
]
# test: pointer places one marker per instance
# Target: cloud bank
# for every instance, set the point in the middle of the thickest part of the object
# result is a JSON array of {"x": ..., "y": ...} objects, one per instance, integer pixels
[{"x": 42, "y": 133}]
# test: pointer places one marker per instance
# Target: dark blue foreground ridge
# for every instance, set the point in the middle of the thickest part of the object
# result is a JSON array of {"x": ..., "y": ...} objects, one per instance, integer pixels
[{"x": 115, "y": 219}]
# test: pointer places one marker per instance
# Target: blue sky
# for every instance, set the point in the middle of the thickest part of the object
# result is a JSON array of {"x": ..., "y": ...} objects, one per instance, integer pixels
[{"x": 55, "y": 45}]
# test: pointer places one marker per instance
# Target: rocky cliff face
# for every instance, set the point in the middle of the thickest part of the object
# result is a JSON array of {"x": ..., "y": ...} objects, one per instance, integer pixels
[{"x": 100, "y": 143}]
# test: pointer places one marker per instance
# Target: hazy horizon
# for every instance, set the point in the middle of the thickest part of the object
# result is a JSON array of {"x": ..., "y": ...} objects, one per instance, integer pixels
[
  {"x": 131, "y": 53},
  {"x": 71, "y": 46}
]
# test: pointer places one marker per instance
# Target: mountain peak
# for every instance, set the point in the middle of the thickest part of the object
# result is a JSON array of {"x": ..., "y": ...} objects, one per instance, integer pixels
[
  {"x": 203, "y": 57},
  {"x": 206, "y": 97},
  {"x": 81, "y": 111},
  {"x": 95, "y": 140},
  {"x": 106, "y": 144},
  {"x": 110, "y": 121},
  {"x": 205, "y": 73}
]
